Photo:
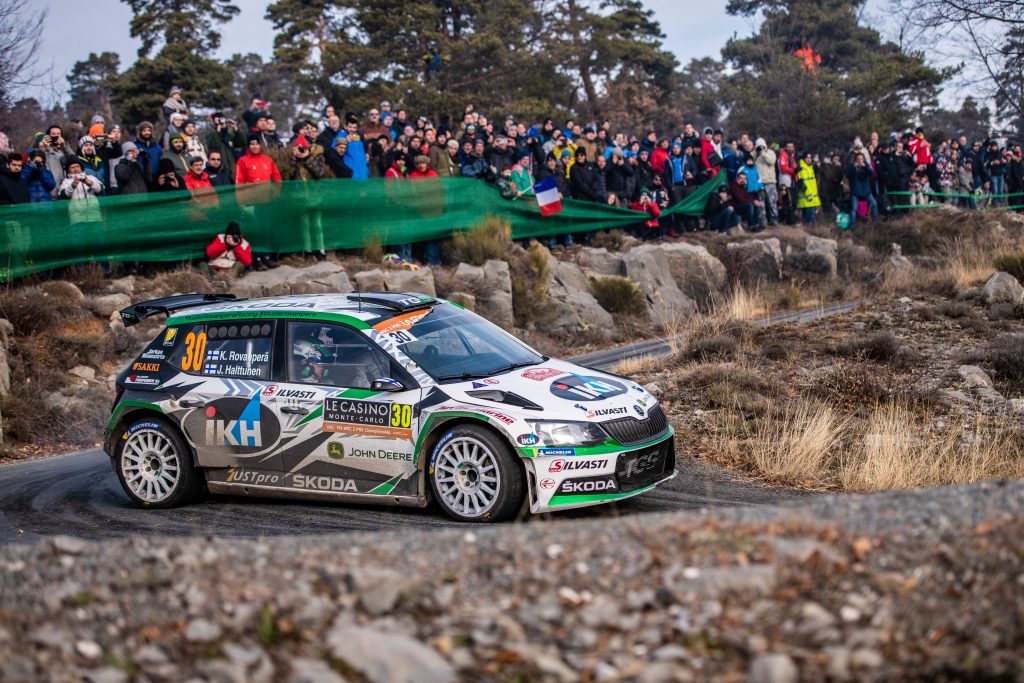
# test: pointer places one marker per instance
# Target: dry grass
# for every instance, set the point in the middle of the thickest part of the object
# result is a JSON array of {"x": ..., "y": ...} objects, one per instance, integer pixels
[
  {"x": 179, "y": 281},
  {"x": 373, "y": 249},
  {"x": 970, "y": 263},
  {"x": 487, "y": 240},
  {"x": 612, "y": 240},
  {"x": 898, "y": 452},
  {"x": 618, "y": 294},
  {"x": 632, "y": 366},
  {"x": 530, "y": 272},
  {"x": 1011, "y": 262},
  {"x": 797, "y": 446},
  {"x": 743, "y": 304}
]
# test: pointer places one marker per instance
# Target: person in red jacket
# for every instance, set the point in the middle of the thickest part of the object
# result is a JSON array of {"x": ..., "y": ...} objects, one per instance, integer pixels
[
  {"x": 787, "y": 165},
  {"x": 255, "y": 166},
  {"x": 229, "y": 253},
  {"x": 652, "y": 224},
  {"x": 421, "y": 168},
  {"x": 197, "y": 178},
  {"x": 708, "y": 153},
  {"x": 920, "y": 149}
]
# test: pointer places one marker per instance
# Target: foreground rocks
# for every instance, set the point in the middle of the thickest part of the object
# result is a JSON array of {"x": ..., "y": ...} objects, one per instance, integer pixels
[{"x": 919, "y": 585}]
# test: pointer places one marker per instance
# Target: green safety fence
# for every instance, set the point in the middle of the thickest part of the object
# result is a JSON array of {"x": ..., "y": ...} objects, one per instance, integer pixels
[
  {"x": 955, "y": 195},
  {"x": 286, "y": 217}
]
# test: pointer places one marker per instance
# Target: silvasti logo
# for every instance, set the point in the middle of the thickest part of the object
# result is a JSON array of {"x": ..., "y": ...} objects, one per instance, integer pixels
[
  {"x": 587, "y": 485},
  {"x": 577, "y": 465}
]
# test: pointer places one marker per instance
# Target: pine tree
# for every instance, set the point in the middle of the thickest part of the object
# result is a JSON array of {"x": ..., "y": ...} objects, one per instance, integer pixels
[
  {"x": 1010, "y": 82},
  {"x": 90, "y": 84},
  {"x": 179, "y": 22}
]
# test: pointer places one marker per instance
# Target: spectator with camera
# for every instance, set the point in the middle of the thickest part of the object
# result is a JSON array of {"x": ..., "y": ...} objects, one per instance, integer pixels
[
  {"x": 167, "y": 178},
  {"x": 229, "y": 253},
  {"x": 149, "y": 148},
  {"x": 258, "y": 109},
  {"x": 355, "y": 151},
  {"x": 77, "y": 184},
  {"x": 41, "y": 183},
  {"x": 226, "y": 140},
  {"x": 133, "y": 175}
]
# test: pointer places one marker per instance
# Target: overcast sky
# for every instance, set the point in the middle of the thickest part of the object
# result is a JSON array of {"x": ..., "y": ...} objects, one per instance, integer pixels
[{"x": 693, "y": 28}]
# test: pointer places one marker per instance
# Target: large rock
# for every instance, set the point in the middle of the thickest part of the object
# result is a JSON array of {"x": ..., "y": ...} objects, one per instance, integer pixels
[
  {"x": 370, "y": 280},
  {"x": 104, "y": 305},
  {"x": 666, "y": 303},
  {"x": 1002, "y": 288},
  {"x": 322, "y": 278},
  {"x": 818, "y": 257},
  {"x": 420, "y": 281},
  {"x": 388, "y": 657},
  {"x": 600, "y": 261},
  {"x": 698, "y": 274},
  {"x": 491, "y": 284},
  {"x": 755, "y": 260},
  {"x": 575, "y": 310}
]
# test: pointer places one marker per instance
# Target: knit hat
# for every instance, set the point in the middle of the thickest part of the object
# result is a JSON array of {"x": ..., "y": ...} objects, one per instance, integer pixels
[
  {"x": 97, "y": 118},
  {"x": 144, "y": 124},
  {"x": 174, "y": 89},
  {"x": 165, "y": 166},
  {"x": 96, "y": 129},
  {"x": 178, "y": 138},
  {"x": 421, "y": 159},
  {"x": 128, "y": 147},
  {"x": 85, "y": 139},
  {"x": 233, "y": 229},
  {"x": 39, "y": 137},
  {"x": 567, "y": 153},
  {"x": 708, "y": 129},
  {"x": 253, "y": 136},
  {"x": 761, "y": 143},
  {"x": 73, "y": 161}
]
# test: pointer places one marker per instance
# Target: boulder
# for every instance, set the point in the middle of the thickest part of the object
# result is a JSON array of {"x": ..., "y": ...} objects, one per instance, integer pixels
[
  {"x": 755, "y": 260},
  {"x": 819, "y": 257},
  {"x": 698, "y": 274},
  {"x": 370, "y": 280},
  {"x": 124, "y": 285},
  {"x": 897, "y": 259},
  {"x": 491, "y": 285},
  {"x": 1002, "y": 288},
  {"x": 600, "y": 261},
  {"x": 6, "y": 330},
  {"x": 104, "y": 305},
  {"x": 667, "y": 306},
  {"x": 386, "y": 656},
  {"x": 574, "y": 308},
  {"x": 321, "y": 278},
  {"x": 467, "y": 301},
  {"x": 420, "y": 281}
]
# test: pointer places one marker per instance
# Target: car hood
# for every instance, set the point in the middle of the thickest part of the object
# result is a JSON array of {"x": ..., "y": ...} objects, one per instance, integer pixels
[{"x": 562, "y": 390}]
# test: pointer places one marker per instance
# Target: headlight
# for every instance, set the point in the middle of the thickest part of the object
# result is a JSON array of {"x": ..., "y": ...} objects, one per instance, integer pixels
[{"x": 570, "y": 433}]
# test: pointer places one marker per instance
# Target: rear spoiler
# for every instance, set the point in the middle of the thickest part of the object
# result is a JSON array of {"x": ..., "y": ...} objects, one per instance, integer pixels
[{"x": 136, "y": 313}]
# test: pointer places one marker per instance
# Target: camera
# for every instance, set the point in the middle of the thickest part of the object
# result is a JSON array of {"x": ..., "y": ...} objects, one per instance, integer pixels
[{"x": 301, "y": 148}]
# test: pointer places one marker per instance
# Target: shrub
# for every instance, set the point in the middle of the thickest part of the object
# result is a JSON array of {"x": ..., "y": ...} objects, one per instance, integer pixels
[
  {"x": 612, "y": 240},
  {"x": 488, "y": 240},
  {"x": 530, "y": 272},
  {"x": 881, "y": 347},
  {"x": 373, "y": 250},
  {"x": 89, "y": 277},
  {"x": 181, "y": 281},
  {"x": 32, "y": 310},
  {"x": 714, "y": 347},
  {"x": 1012, "y": 263},
  {"x": 1006, "y": 354},
  {"x": 619, "y": 294},
  {"x": 796, "y": 446}
]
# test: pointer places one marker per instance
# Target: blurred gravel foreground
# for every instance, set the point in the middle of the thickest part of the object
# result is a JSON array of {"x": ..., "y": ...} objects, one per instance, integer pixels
[{"x": 925, "y": 585}]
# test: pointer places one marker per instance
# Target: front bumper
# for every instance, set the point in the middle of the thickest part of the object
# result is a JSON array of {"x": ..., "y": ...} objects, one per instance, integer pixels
[{"x": 580, "y": 480}]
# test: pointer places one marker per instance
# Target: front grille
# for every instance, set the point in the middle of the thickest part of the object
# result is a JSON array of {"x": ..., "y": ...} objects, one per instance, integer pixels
[
  {"x": 637, "y": 469},
  {"x": 628, "y": 431}
]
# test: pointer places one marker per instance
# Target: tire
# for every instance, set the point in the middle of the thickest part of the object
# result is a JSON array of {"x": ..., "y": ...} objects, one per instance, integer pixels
[
  {"x": 155, "y": 465},
  {"x": 474, "y": 475}
]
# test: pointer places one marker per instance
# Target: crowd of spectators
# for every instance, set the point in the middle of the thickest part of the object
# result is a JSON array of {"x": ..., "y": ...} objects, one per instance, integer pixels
[{"x": 755, "y": 182}]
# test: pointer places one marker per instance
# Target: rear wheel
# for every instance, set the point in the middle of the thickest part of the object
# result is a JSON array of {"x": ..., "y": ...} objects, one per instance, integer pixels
[
  {"x": 474, "y": 475},
  {"x": 155, "y": 465}
]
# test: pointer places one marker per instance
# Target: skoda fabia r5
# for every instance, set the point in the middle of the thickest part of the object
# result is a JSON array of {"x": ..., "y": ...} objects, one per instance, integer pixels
[{"x": 384, "y": 398}]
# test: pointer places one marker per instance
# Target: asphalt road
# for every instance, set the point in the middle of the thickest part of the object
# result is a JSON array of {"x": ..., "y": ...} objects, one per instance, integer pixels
[{"x": 79, "y": 495}]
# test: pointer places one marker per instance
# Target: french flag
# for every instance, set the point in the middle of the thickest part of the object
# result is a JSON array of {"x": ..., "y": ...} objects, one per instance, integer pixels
[{"x": 547, "y": 196}]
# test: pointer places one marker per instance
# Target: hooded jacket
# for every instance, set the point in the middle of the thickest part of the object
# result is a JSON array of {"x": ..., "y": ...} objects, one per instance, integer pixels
[
  {"x": 765, "y": 162},
  {"x": 41, "y": 183}
]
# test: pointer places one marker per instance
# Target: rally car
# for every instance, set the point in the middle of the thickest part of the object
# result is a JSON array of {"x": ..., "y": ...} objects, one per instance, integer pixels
[{"x": 377, "y": 397}]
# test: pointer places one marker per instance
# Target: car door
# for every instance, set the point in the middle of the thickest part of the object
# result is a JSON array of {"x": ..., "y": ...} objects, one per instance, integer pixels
[
  {"x": 339, "y": 433},
  {"x": 227, "y": 368}
]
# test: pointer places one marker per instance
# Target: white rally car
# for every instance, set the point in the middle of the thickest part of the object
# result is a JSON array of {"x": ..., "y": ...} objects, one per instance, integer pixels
[{"x": 376, "y": 398}]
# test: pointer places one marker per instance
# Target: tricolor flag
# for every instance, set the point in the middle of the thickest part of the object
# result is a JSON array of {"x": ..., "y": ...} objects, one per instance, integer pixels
[{"x": 547, "y": 196}]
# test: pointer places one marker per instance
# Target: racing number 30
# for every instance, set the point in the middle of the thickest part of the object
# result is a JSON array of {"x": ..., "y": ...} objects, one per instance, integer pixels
[
  {"x": 195, "y": 351},
  {"x": 401, "y": 415}
]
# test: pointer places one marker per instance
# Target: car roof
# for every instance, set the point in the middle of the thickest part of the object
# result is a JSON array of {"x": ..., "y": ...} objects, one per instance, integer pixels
[{"x": 363, "y": 308}]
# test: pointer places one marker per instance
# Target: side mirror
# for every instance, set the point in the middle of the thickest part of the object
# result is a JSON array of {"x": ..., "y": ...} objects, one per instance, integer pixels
[{"x": 386, "y": 384}]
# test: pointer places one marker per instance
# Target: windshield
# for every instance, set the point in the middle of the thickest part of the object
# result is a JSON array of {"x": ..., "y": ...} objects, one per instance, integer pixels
[{"x": 451, "y": 344}]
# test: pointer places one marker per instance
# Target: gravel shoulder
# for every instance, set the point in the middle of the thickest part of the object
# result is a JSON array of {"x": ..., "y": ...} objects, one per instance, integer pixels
[{"x": 927, "y": 584}]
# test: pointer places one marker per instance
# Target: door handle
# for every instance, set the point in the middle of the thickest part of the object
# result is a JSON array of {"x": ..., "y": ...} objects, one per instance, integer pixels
[
  {"x": 295, "y": 410},
  {"x": 189, "y": 403}
]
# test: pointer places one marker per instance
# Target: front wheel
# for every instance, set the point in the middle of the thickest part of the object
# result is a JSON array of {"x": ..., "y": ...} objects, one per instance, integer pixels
[
  {"x": 475, "y": 477},
  {"x": 155, "y": 465}
]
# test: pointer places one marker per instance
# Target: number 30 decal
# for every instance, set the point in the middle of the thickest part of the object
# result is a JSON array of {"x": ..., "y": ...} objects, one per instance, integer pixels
[
  {"x": 401, "y": 337},
  {"x": 401, "y": 415},
  {"x": 195, "y": 351}
]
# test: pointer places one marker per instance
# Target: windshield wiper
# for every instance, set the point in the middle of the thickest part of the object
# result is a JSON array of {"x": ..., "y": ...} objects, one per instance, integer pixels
[{"x": 481, "y": 375}]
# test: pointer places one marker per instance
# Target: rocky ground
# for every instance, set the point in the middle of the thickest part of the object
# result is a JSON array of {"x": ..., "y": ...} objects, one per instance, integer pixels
[{"x": 927, "y": 585}]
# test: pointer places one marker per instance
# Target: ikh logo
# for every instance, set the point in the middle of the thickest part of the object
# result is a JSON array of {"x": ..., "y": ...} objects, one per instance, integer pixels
[
  {"x": 245, "y": 431},
  {"x": 583, "y": 388}
]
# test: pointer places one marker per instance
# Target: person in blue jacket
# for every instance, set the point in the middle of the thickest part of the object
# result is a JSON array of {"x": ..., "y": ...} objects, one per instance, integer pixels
[
  {"x": 355, "y": 154},
  {"x": 40, "y": 179}
]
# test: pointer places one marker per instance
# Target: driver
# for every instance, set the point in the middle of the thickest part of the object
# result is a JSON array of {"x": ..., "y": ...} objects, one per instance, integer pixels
[
  {"x": 315, "y": 361},
  {"x": 310, "y": 362}
]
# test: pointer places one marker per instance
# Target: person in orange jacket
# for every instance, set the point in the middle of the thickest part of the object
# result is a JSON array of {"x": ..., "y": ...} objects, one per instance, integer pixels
[{"x": 255, "y": 166}]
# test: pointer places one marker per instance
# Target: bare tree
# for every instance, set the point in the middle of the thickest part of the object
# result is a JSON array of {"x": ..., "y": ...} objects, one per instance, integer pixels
[
  {"x": 20, "y": 33},
  {"x": 977, "y": 32}
]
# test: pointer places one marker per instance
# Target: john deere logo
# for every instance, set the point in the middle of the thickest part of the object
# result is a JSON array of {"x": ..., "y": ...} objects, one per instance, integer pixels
[{"x": 335, "y": 450}]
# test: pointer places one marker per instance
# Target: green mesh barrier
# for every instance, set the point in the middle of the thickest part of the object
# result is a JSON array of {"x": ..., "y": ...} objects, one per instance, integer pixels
[{"x": 283, "y": 218}]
